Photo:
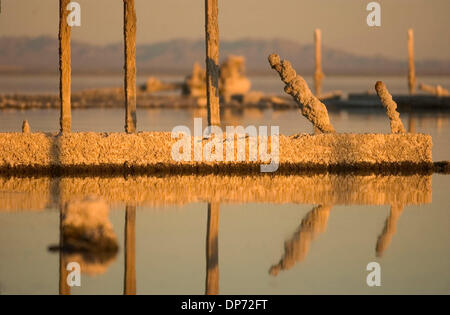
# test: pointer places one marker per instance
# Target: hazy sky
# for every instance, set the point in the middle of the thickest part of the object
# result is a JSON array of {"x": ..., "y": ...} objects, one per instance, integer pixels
[{"x": 343, "y": 22}]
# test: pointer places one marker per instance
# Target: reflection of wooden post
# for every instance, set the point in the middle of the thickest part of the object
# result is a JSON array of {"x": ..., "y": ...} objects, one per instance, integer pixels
[
  {"x": 318, "y": 74},
  {"x": 411, "y": 68},
  {"x": 64, "y": 288},
  {"x": 65, "y": 119},
  {"x": 390, "y": 227},
  {"x": 212, "y": 250},
  {"x": 212, "y": 61},
  {"x": 130, "y": 251},
  {"x": 129, "y": 31}
]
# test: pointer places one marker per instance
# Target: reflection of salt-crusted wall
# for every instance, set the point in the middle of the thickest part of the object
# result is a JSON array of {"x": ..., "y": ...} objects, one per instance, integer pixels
[
  {"x": 183, "y": 189},
  {"x": 154, "y": 149},
  {"x": 18, "y": 194}
]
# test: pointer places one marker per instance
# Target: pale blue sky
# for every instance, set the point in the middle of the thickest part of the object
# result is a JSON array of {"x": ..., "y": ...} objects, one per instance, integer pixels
[{"x": 343, "y": 22}]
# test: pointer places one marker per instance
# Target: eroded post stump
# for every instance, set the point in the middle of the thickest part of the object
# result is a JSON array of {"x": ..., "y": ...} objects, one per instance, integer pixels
[
  {"x": 312, "y": 108},
  {"x": 391, "y": 108}
]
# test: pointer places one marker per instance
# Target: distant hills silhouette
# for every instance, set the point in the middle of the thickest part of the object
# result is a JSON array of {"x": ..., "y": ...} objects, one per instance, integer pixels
[{"x": 40, "y": 55}]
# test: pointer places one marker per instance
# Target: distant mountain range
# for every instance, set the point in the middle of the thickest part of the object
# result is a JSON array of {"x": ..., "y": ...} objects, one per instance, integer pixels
[{"x": 40, "y": 55}]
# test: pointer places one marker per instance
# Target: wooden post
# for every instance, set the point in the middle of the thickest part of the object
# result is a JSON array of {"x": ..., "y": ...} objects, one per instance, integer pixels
[
  {"x": 130, "y": 251},
  {"x": 318, "y": 74},
  {"x": 129, "y": 32},
  {"x": 212, "y": 250},
  {"x": 212, "y": 61},
  {"x": 411, "y": 67},
  {"x": 64, "y": 68}
]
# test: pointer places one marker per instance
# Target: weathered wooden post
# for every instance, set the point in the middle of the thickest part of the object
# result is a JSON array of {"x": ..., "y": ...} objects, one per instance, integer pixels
[
  {"x": 64, "y": 67},
  {"x": 318, "y": 74},
  {"x": 130, "y": 251},
  {"x": 212, "y": 61},
  {"x": 411, "y": 67},
  {"x": 129, "y": 32},
  {"x": 212, "y": 250}
]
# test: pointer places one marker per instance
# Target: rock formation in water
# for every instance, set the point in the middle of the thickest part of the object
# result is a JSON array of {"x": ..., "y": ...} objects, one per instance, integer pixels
[
  {"x": 86, "y": 227},
  {"x": 437, "y": 90},
  {"x": 232, "y": 76},
  {"x": 153, "y": 84},
  {"x": 195, "y": 83},
  {"x": 312, "y": 108},
  {"x": 391, "y": 108}
]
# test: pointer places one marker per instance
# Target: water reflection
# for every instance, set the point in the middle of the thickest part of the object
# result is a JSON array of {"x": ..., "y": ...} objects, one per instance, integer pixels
[
  {"x": 85, "y": 230},
  {"x": 130, "y": 251},
  {"x": 390, "y": 227},
  {"x": 296, "y": 249},
  {"x": 212, "y": 249}
]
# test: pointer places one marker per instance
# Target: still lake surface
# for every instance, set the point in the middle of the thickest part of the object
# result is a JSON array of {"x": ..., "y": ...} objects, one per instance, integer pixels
[{"x": 321, "y": 232}]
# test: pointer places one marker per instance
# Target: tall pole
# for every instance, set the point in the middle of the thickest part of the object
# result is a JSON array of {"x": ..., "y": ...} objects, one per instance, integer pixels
[
  {"x": 212, "y": 250},
  {"x": 411, "y": 67},
  {"x": 318, "y": 74},
  {"x": 130, "y": 251},
  {"x": 64, "y": 67},
  {"x": 212, "y": 61},
  {"x": 129, "y": 32}
]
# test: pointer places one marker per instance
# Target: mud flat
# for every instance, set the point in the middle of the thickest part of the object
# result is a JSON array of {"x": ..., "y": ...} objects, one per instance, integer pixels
[{"x": 151, "y": 152}]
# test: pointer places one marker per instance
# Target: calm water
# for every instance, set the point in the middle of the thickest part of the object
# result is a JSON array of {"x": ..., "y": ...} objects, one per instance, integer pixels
[{"x": 319, "y": 233}]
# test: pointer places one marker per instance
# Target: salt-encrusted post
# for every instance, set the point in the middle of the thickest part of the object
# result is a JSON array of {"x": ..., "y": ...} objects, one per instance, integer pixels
[
  {"x": 391, "y": 107},
  {"x": 318, "y": 74},
  {"x": 25, "y": 127},
  {"x": 130, "y": 251},
  {"x": 212, "y": 250},
  {"x": 65, "y": 119},
  {"x": 212, "y": 61},
  {"x": 411, "y": 67},
  {"x": 312, "y": 108},
  {"x": 129, "y": 32}
]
